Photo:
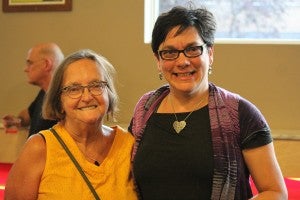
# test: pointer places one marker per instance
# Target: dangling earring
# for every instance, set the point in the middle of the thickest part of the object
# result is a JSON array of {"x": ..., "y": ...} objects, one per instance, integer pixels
[
  {"x": 210, "y": 70},
  {"x": 160, "y": 76}
]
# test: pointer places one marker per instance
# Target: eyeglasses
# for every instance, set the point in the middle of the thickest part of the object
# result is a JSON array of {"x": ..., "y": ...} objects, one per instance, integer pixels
[
  {"x": 190, "y": 52},
  {"x": 76, "y": 91}
]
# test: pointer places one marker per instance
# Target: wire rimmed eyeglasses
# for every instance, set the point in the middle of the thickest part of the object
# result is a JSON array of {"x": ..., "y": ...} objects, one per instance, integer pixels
[
  {"x": 76, "y": 91},
  {"x": 190, "y": 52}
]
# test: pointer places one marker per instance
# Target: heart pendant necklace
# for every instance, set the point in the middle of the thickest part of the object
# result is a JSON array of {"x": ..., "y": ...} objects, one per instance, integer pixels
[{"x": 180, "y": 125}]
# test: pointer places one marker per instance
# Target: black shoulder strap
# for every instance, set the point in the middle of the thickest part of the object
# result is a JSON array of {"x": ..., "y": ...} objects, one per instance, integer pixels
[{"x": 75, "y": 163}]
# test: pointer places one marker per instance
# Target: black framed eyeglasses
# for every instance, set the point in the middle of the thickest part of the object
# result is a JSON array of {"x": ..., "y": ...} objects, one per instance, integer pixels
[
  {"x": 190, "y": 52},
  {"x": 76, "y": 91}
]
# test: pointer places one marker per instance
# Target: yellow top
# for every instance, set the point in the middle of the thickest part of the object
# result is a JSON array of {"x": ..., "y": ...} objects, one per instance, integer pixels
[{"x": 112, "y": 179}]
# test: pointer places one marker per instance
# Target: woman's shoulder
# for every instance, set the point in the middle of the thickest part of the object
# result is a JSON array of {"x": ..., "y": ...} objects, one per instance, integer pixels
[
  {"x": 123, "y": 137},
  {"x": 149, "y": 98},
  {"x": 223, "y": 92},
  {"x": 123, "y": 140},
  {"x": 155, "y": 93},
  {"x": 34, "y": 151},
  {"x": 36, "y": 142},
  {"x": 229, "y": 96},
  {"x": 122, "y": 132}
]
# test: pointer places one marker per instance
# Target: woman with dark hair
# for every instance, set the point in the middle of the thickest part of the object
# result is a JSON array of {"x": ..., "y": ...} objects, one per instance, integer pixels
[{"x": 195, "y": 140}]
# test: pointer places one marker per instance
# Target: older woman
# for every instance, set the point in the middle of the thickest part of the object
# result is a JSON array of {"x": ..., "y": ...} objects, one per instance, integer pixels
[
  {"x": 195, "y": 140},
  {"x": 78, "y": 158}
]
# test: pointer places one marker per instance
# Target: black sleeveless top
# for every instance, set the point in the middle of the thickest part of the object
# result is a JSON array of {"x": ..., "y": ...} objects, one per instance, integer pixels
[{"x": 174, "y": 166}]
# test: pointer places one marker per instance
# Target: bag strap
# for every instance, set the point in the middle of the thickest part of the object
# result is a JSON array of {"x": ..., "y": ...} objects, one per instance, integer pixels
[{"x": 75, "y": 163}]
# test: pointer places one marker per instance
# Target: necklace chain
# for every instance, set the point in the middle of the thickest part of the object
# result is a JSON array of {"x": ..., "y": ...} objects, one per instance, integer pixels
[
  {"x": 180, "y": 125},
  {"x": 96, "y": 162}
]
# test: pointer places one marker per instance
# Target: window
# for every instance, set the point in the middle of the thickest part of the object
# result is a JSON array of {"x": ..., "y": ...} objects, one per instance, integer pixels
[{"x": 240, "y": 21}]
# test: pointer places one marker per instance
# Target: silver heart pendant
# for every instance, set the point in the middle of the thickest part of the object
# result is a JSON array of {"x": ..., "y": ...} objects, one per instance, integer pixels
[{"x": 178, "y": 126}]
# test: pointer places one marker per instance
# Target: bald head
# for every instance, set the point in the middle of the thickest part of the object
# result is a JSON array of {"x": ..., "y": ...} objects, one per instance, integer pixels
[
  {"x": 42, "y": 59},
  {"x": 49, "y": 51}
]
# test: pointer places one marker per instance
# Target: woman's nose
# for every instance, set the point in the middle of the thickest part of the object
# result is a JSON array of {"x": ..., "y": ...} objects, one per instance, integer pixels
[
  {"x": 86, "y": 94},
  {"x": 182, "y": 60}
]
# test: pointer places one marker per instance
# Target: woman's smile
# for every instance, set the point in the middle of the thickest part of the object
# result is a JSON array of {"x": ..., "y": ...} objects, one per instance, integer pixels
[
  {"x": 91, "y": 107},
  {"x": 184, "y": 74}
]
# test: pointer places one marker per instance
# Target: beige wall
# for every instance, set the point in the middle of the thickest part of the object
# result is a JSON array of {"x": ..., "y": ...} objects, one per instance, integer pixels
[
  {"x": 288, "y": 154},
  {"x": 267, "y": 75}
]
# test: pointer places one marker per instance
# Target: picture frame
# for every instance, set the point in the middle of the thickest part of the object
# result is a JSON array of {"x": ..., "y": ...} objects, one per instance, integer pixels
[{"x": 36, "y": 5}]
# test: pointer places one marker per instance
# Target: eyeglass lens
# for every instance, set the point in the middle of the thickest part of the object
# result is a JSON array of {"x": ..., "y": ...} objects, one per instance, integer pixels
[
  {"x": 76, "y": 91},
  {"x": 189, "y": 52}
]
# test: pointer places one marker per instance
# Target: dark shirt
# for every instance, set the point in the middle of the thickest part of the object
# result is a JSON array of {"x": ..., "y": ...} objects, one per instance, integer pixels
[
  {"x": 175, "y": 166},
  {"x": 37, "y": 123},
  {"x": 235, "y": 124},
  {"x": 171, "y": 166}
]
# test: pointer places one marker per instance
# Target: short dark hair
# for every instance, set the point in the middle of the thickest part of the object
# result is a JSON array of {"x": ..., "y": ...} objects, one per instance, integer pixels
[{"x": 200, "y": 18}]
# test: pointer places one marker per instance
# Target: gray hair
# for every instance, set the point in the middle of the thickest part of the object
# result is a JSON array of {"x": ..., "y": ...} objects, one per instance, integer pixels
[{"x": 52, "y": 108}]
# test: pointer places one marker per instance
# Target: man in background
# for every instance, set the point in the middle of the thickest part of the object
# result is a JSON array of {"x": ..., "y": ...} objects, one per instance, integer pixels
[{"x": 42, "y": 59}]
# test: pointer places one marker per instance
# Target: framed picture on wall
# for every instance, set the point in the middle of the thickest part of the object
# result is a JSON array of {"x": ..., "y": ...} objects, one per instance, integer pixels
[{"x": 36, "y": 5}]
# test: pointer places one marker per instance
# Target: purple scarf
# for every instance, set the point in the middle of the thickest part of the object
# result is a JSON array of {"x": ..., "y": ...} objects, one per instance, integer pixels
[{"x": 231, "y": 176}]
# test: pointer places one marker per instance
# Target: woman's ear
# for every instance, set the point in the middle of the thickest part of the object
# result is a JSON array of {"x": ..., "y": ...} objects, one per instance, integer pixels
[
  {"x": 158, "y": 67},
  {"x": 211, "y": 55},
  {"x": 156, "y": 56},
  {"x": 157, "y": 62}
]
